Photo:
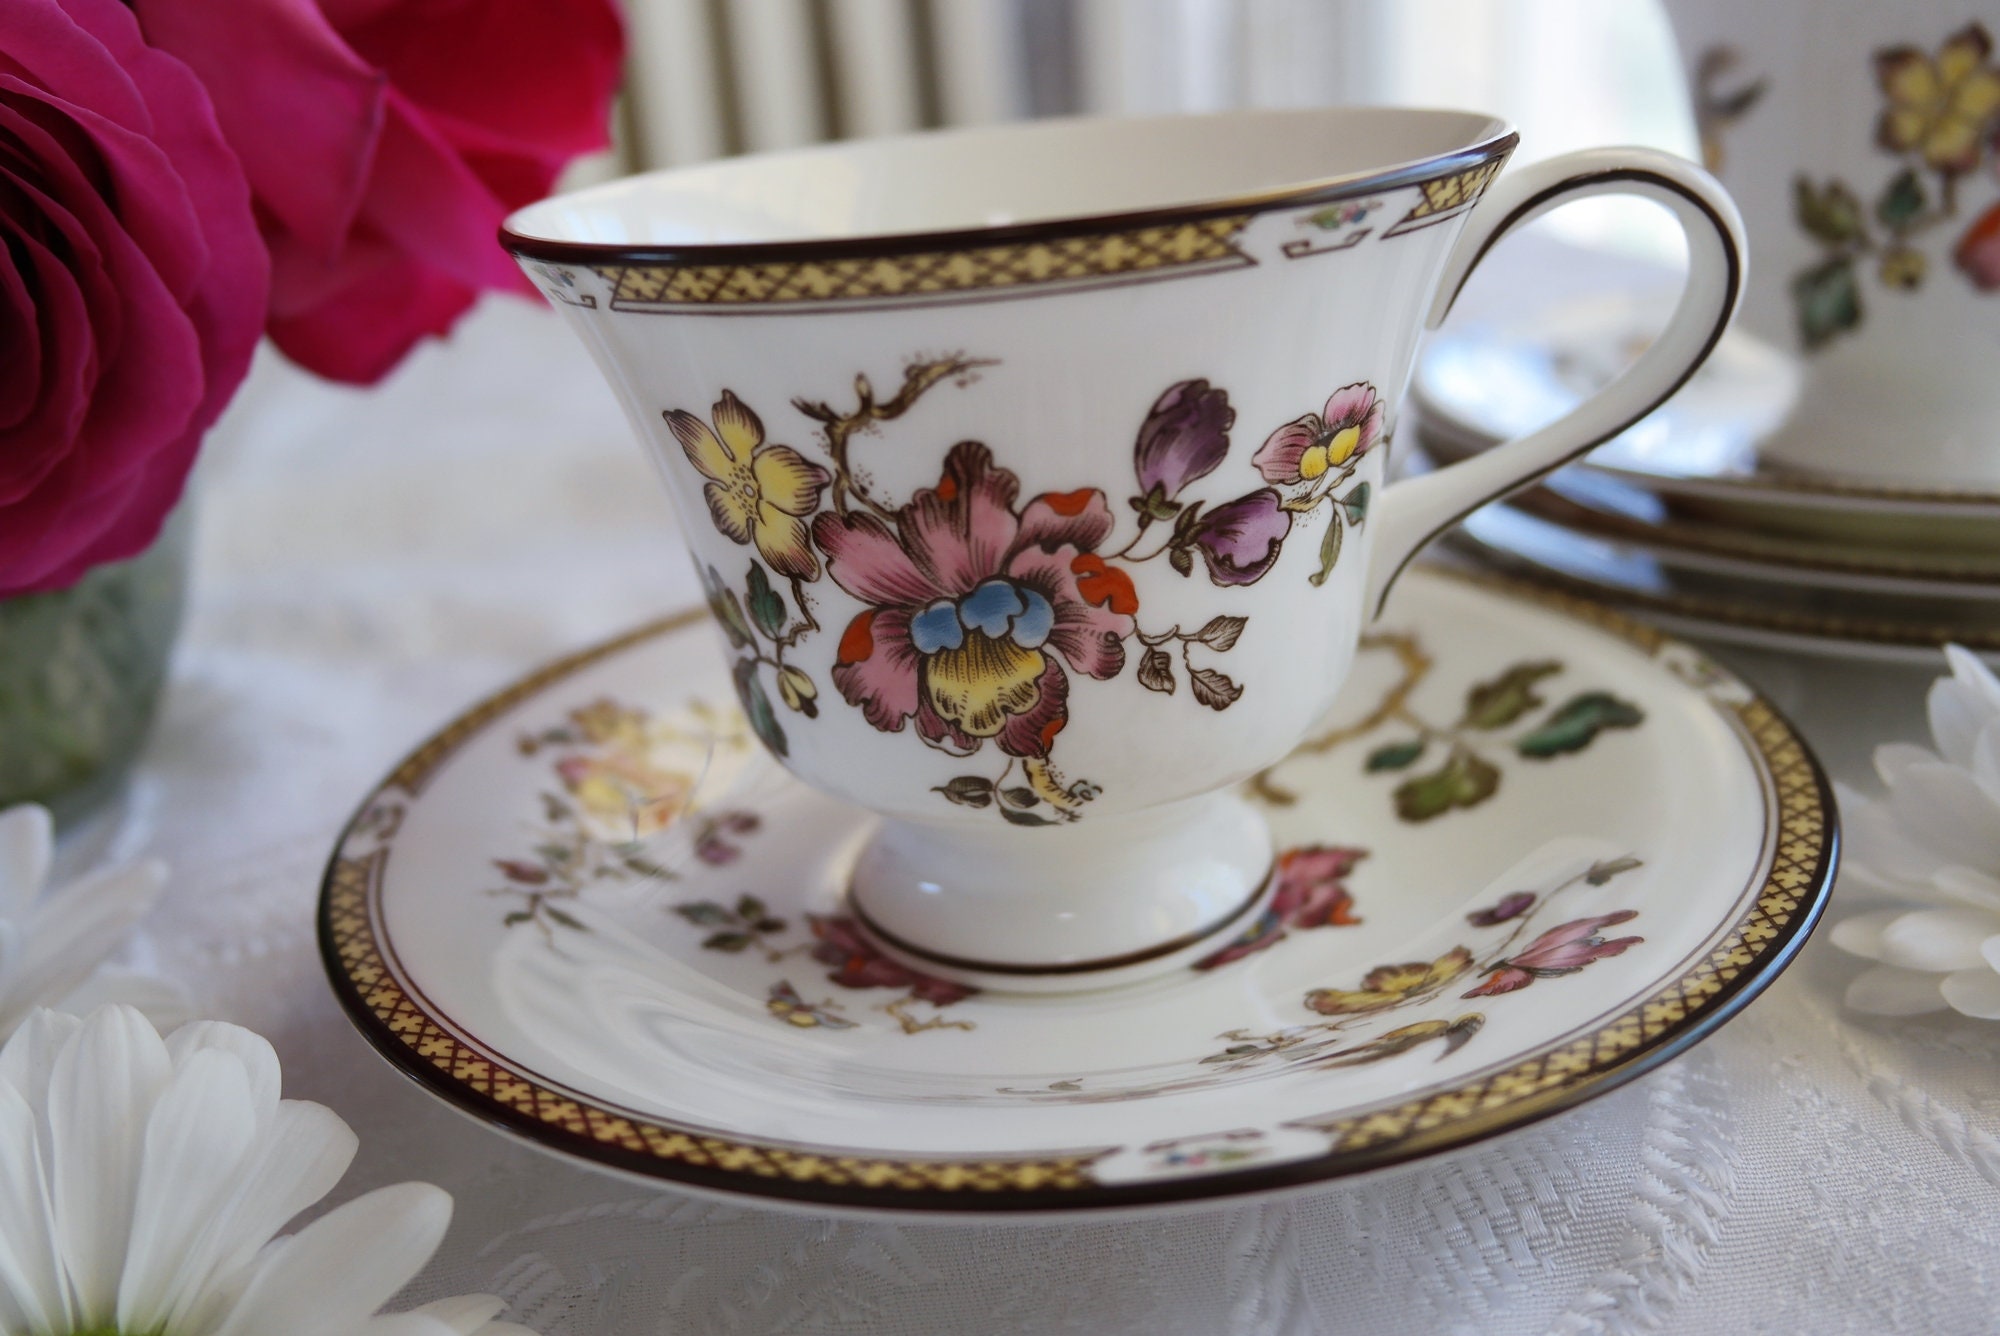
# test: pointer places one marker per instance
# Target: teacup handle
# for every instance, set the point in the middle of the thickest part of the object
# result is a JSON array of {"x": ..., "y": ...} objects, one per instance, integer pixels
[{"x": 1416, "y": 510}]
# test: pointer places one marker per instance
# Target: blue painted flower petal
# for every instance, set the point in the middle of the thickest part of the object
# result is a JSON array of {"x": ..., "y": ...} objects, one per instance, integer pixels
[
  {"x": 1035, "y": 621},
  {"x": 936, "y": 628},
  {"x": 990, "y": 608}
]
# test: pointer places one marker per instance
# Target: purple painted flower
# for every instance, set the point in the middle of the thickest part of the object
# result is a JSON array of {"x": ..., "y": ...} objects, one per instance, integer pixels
[
  {"x": 1240, "y": 539},
  {"x": 1184, "y": 437},
  {"x": 1510, "y": 906},
  {"x": 860, "y": 965},
  {"x": 1314, "y": 445},
  {"x": 1561, "y": 950}
]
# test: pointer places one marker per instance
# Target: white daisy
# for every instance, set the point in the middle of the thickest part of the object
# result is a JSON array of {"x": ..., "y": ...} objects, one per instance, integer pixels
[
  {"x": 53, "y": 945},
  {"x": 1931, "y": 843},
  {"x": 142, "y": 1181}
]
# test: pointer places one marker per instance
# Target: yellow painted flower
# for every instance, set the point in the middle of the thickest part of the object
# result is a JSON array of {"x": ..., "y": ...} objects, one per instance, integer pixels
[
  {"x": 756, "y": 491},
  {"x": 1939, "y": 107},
  {"x": 1389, "y": 985},
  {"x": 624, "y": 796}
]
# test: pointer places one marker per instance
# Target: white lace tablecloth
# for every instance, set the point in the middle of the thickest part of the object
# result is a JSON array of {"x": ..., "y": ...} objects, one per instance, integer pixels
[{"x": 369, "y": 564}]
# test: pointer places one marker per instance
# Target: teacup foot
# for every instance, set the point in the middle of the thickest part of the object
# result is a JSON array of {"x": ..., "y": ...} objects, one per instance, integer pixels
[{"x": 1103, "y": 903}]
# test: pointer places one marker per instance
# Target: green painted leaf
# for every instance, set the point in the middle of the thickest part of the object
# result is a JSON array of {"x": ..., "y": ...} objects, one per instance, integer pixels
[
  {"x": 1220, "y": 633},
  {"x": 1499, "y": 702},
  {"x": 1396, "y": 755},
  {"x": 1465, "y": 780},
  {"x": 1902, "y": 201},
  {"x": 1329, "y": 546},
  {"x": 566, "y": 920},
  {"x": 1602, "y": 872},
  {"x": 1156, "y": 671},
  {"x": 1019, "y": 817},
  {"x": 1355, "y": 503},
  {"x": 518, "y": 916},
  {"x": 1827, "y": 300},
  {"x": 1582, "y": 718},
  {"x": 757, "y": 707},
  {"x": 1019, "y": 796},
  {"x": 722, "y": 602},
  {"x": 767, "y": 605},
  {"x": 967, "y": 790},
  {"x": 646, "y": 867},
  {"x": 1832, "y": 215},
  {"x": 727, "y": 941},
  {"x": 749, "y": 908},
  {"x": 1181, "y": 559},
  {"x": 704, "y": 913}
]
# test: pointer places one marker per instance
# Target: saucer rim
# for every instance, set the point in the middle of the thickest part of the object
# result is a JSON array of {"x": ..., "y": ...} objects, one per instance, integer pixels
[{"x": 1030, "y": 1187}]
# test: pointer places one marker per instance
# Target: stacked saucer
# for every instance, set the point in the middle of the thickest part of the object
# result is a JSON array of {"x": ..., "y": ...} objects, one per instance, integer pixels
[{"x": 1683, "y": 519}]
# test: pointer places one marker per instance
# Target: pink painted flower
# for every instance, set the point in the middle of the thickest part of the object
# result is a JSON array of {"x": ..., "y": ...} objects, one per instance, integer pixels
[
  {"x": 132, "y": 286},
  {"x": 975, "y": 607},
  {"x": 1311, "y": 893},
  {"x": 1561, "y": 950},
  {"x": 860, "y": 965},
  {"x": 385, "y": 140},
  {"x": 1318, "y": 443}
]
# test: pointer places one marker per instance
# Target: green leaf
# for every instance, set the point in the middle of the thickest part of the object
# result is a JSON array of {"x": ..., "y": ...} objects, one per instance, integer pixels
[
  {"x": 757, "y": 707},
  {"x": 1181, "y": 559},
  {"x": 1355, "y": 503},
  {"x": 1902, "y": 201},
  {"x": 646, "y": 867},
  {"x": 967, "y": 790},
  {"x": 1213, "y": 689},
  {"x": 749, "y": 908},
  {"x": 1581, "y": 719},
  {"x": 722, "y": 602},
  {"x": 727, "y": 941},
  {"x": 704, "y": 913},
  {"x": 1500, "y": 702},
  {"x": 1465, "y": 780},
  {"x": 1827, "y": 300},
  {"x": 1831, "y": 215},
  {"x": 566, "y": 920},
  {"x": 1156, "y": 671},
  {"x": 1019, "y": 796},
  {"x": 1395, "y": 755},
  {"x": 767, "y": 606},
  {"x": 1220, "y": 633},
  {"x": 1329, "y": 546},
  {"x": 1603, "y": 872},
  {"x": 1019, "y": 817},
  {"x": 518, "y": 916}
]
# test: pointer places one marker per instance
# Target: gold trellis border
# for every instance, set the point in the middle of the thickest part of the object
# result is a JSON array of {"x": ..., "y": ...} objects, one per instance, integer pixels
[{"x": 1785, "y": 908}]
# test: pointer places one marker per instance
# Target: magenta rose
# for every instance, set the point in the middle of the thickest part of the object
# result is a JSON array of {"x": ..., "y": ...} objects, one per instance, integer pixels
[
  {"x": 132, "y": 286},
  {"x": 385, "y": 140}
]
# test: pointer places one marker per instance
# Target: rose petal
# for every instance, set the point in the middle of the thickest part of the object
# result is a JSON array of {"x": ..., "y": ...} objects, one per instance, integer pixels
[{"x": 864, "y": 558}]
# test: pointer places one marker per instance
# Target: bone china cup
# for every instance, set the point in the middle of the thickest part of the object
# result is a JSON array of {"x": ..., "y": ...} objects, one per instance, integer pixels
[{"x": 1035, "y": 474}]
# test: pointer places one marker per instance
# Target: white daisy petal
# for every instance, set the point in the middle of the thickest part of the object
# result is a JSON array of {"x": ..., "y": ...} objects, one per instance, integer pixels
[
  {"x": 196, "y": 1140},
  {"x": 73, "y": 930},
  {"x": 1970, "y": 675},
  {"x": 161, "y": 1001},
  {"x": 1888, "y": 991},
  {"x": 29, "y": 1055},
  {"x": 1968, "y": 886},
  {"x": 336, "y": 1271},
  {"x": 298, "y": 1160},
  {"x": 1861, "y": 934},
  {"x": 465, "y": 1313},
  {"x": 1894, "y": 759},
  {"x": 27, "y": 843},
  {"x": 104, "y": 1084},
  {"x": 402, "y": 1324},
  {"x": 32, "y": 1296},
  {"x": 1973, "y": 992},
  {"x": 1874, "y": 842},
  {"x": 1984, "y": 762},
  {"x": 254, "y": 1051},
  {"x": 1937, "y": 940},
  {"x": 1942, "y": 809}
]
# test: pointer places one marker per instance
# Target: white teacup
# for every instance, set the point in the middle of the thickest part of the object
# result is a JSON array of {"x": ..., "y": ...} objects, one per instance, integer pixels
[
  {"x": 1036, "y": 473},
  {"x": 1862, "y": 140}
]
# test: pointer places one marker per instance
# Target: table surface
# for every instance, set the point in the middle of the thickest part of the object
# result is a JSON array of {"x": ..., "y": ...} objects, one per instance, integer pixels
[{"x": 370, "y": 563}]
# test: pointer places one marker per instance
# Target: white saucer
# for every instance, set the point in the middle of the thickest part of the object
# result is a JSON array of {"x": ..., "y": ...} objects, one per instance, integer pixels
[{"x": 1533, "y": 852}]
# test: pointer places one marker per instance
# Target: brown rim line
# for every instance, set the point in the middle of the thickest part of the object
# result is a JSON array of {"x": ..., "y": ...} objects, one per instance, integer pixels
[
  {"x": 1300, "y": 194},
  {"x": 1796, "y": 880},
  {"x": 1184, "y": 942}
]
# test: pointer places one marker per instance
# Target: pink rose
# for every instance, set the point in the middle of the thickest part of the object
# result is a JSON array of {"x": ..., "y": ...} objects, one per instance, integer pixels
[
  {"x": 132, "y": 286},
  {"x": 385, "y": 140}
]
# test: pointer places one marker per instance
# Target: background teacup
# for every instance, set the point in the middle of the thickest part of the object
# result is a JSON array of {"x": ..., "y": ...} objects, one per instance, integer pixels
[
  {"x": 1859, "y": 139},
  {"x": 1036, "y": 473}
]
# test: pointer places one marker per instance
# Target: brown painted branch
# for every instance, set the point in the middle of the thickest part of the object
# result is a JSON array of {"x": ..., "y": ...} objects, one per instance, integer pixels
[{"x": 839, "y": 428}]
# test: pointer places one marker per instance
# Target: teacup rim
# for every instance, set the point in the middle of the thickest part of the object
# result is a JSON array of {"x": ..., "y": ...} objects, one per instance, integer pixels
[{"x": 1497, "y": 140}]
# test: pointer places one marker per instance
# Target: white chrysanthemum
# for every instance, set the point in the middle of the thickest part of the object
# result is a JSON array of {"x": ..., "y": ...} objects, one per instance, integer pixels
[
  {"x": 1932, "y": 841},
  {"x": 53, "y": 945},
  {"x": 142, "y": 1181}
]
